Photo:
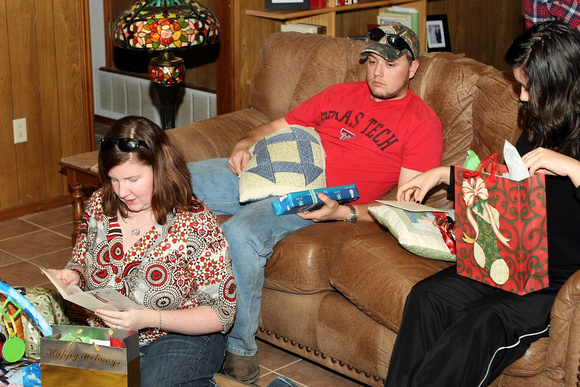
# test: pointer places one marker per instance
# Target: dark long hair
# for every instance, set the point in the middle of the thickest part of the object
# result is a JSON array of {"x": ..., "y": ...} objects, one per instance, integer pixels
[
  {"x": 549, "y": 55},
  {"x": 171, "y": 179}
]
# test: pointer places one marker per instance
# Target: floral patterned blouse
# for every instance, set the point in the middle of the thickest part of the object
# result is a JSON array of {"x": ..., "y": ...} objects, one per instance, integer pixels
[{"x": 182, "y": 264}]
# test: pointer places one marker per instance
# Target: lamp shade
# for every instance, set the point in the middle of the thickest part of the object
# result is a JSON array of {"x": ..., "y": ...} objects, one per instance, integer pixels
[{"x": 165, "y": 25}]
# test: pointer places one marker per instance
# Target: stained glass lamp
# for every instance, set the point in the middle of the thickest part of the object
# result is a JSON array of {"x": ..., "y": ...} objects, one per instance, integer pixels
[{"x": 166, "y": 25}]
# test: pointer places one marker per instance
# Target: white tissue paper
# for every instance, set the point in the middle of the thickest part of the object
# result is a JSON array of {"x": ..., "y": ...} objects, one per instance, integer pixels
[{"x": 515, "y": 165}]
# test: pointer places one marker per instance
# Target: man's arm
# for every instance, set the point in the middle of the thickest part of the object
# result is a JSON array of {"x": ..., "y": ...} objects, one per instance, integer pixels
[
  {"x": 334, "y": 211},
  {"x": 240, "y": 154}
]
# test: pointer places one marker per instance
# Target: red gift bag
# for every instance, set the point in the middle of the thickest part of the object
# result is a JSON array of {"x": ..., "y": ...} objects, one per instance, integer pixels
[{"x": 500, "y": 227}]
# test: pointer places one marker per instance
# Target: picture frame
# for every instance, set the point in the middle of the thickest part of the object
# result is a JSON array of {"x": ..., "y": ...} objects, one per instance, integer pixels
[
  {"x": 272, "y": 5},
  {"x": 438, "y": 38}
]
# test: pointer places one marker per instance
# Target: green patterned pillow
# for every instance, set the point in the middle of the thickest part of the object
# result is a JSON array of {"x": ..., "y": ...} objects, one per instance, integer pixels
[
  {"x": 414, "y": 231},
  {"x": 51, "y": 306},
  {"x": 288, "y": 160}
]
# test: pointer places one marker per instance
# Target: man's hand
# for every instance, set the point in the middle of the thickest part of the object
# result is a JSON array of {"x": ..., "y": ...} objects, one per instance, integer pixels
[
  {"x": 241, "y": 152},
  {"x": 332, "y": 210},
  {"x": 239, "y": 157}
]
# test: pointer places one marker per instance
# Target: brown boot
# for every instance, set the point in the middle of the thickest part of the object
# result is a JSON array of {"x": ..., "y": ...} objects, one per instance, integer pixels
[{"x": 243, "y": 368}]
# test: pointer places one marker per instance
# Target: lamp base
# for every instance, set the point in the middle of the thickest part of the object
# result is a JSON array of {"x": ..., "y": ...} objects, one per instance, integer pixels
[
  {"x": 168, "y": 96},
  {"x": 167, "y": 72}
]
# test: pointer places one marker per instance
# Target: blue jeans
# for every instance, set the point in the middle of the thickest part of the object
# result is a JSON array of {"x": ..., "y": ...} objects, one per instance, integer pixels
[
  {"x": 252, "y": 232},
  {"x": 182, "y": 360}
]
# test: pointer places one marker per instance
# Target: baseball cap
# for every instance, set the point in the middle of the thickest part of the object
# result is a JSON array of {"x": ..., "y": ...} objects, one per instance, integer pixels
[{"x": 389, "y": 46}]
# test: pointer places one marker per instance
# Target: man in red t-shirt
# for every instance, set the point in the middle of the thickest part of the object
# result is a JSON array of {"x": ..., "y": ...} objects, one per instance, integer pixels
[{"x": 375, "y": 133}]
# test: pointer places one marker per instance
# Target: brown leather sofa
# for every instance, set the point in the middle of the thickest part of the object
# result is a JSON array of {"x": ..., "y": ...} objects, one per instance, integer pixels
[{"x": 335, "y": 292}]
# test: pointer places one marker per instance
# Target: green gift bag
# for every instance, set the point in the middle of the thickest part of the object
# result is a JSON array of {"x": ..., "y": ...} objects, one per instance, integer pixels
[{"x": 77, "y": 363}]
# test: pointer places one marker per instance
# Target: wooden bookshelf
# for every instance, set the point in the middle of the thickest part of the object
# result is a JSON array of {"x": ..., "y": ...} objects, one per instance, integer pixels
[
  {"x": 333, "y": 16},
  {"x": 294, "y": 14},
  {"x": 245, "y": 26}
]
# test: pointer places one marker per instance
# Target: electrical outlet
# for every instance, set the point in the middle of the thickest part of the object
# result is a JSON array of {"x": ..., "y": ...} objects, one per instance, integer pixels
[{"x": 20, "y": 134}]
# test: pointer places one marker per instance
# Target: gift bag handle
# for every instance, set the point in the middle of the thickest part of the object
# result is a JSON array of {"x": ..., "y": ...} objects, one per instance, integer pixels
[{"x": 483, "y": 166}]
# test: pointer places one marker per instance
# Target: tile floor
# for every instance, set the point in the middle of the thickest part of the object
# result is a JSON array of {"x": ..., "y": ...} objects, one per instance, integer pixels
[{"x": 43, "y": 239}]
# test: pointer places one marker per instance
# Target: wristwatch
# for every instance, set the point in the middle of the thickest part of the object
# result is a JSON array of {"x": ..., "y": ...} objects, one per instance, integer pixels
[{"x": 353, "y": 216}]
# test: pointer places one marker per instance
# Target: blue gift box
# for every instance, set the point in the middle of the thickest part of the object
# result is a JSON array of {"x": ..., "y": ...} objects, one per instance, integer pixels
[{"x": 308, "y": 200}]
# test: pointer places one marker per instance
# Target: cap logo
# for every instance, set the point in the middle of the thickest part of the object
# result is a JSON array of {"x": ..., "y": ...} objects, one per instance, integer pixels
[{"x": 389, "y": 30}]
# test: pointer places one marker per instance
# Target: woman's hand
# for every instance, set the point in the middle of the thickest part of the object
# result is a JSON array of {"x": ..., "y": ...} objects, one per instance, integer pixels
[
  {"x": 553, "y": 163},
  {"x": 132, "y": 319},
  {"x": 416, "y": 188},
  {"x": 200, "y": 320},
  {"x": 66, "y": 276}
]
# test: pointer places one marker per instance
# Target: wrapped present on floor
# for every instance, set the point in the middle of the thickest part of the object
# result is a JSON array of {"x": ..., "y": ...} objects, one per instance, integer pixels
[
  {"x": 24, "y": 372},
  {"x": 308, "y": 200}
]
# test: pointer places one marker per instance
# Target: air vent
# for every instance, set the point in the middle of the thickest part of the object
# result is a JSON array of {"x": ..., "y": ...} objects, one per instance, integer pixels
[{"x": 123, "y": 95}]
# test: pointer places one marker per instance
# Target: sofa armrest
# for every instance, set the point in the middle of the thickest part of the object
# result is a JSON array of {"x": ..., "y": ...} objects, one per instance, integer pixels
[
  {"x": 563, "y": 358},
  {"x": 215, "y": 136}
]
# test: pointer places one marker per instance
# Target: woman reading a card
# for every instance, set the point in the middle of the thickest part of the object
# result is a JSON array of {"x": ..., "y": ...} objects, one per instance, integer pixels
[
  {"x": 145, "y": 235},
  {"x": 460, "y": 332}
]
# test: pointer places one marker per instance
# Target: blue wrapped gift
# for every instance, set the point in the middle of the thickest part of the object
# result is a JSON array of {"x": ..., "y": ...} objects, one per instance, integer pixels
[{"x": 308, "y": 200}]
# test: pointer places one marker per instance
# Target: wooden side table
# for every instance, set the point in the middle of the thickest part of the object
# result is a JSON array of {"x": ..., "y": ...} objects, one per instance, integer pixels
[{"x": 81, "y": 171}]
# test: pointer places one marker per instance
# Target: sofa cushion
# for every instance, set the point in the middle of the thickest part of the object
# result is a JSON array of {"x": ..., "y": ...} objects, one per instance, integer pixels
[
  {"x": 376, "y": 275},
  {"x": 280, "y": 82},
  {"x": 414, "y": 231},
  {"x": 301, "y": 262},
  {"x": 495, "y": 112},
  {"x": 288, "y": 160}
]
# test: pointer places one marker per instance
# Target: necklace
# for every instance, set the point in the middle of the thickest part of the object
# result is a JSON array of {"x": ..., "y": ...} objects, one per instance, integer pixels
[{"x": 136, "y": 231}]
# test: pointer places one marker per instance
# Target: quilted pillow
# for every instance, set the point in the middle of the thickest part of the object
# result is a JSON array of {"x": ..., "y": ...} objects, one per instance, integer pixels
[
  {"x": 414, "y": 231},
  {"x": 288, "y": 160}
]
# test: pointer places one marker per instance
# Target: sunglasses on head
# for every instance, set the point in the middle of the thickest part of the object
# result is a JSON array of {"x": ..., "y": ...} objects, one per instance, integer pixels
[
  {"x": 395, "y": 41},
  {"x": 124, "y": 144}
]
